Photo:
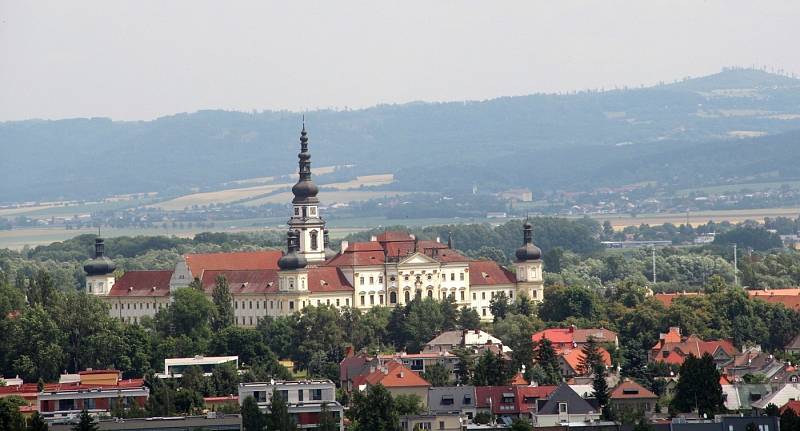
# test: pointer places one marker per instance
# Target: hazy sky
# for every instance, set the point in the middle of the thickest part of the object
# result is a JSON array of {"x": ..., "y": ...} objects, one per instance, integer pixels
[{"x": 143, "y": 59}]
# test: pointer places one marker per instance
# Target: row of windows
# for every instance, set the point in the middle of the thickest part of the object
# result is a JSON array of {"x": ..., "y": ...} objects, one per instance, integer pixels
[
  {"x": 430, "y": 277},
  {"x": 263, "y": 304},
  {"x": 138, "y": 305},
  {"x": 372, "y": 280}
]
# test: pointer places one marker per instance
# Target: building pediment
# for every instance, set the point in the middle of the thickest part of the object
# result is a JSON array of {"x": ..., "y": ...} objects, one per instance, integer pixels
[{"x": 418, "y": 259}]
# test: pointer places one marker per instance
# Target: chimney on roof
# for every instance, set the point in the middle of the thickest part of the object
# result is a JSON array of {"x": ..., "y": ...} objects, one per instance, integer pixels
[
  {"x": 439, "y": 240},
  {"x": 373, "y": 238},
  {"x": 348, "y": 352},
  {"x": 344, "y": 246},
  {"x": 402, "y": 374},
  {"x": 414, "y": 237}
]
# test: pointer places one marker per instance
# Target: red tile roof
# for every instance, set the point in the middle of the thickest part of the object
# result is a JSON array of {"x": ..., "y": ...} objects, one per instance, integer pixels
[
  {"x": 246, "y": 281},
  {"x": 521, "y": 394},
  {"x": 390, "y": 236},
  {"x": 357, "y": 258},
  {"x": 574, "y": 335},
  {"x": 573, "y": 357},
  {"x": 327, "y": 279},
  {"x": 142, "y": 283},
  {"x": 677, "y": 351},
  {"x": 488, "y": 273},
  {"x": 631, "y": 390},
  {"x": 320, "y": 280},
  {"x": 791, "y": 404},
  {"x": 392, "y": 375},
  {"x": 519, "y": 380},
  {"x": 790, "y": 302},
  {"x": 264, "y": 259}
]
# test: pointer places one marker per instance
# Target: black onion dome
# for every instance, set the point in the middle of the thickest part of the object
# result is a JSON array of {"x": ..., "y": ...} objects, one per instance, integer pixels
[
  {"x": 292, "y": 260},
  {"x": 99, "y": 265},
  {"x": 305, "y": 192},
  {"x": 528, "y": 251}
]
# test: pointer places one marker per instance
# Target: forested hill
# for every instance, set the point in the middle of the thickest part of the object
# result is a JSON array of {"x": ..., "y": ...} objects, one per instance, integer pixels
[{"x": 539, "y": 141}]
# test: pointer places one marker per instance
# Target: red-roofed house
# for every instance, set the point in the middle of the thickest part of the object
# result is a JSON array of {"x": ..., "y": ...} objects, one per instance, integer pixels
[
  {"x": 511, "y": 401},
  {"x": 396, "y": 378},
  {"x": 631, "y": 395},
  {"x": 789, "y": 298},
  {"x": 574, "y": 338},
  {"x": 570, "y": 362},
  {"x": 666, "y": 298},
  {"x": 673, "y": 348}
]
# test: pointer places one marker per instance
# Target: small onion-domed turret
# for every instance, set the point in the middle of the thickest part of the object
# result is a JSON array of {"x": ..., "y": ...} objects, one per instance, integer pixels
[
  {"x": 292, "y": 260},
  {"x": 329, "y": 254},
  {"x": 99, "y": 265},
  {"x": 528, "y": 251}
]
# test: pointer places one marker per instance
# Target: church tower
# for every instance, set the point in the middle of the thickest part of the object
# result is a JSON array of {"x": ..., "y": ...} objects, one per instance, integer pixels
[
  {"x": 306, "y": 221},
  {"x": 528, "y": 265},
  {"x": 99, "y": 271}
]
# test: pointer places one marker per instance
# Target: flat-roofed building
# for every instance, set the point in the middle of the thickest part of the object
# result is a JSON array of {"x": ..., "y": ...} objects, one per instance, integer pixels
[{"x": 304, "y": 398}]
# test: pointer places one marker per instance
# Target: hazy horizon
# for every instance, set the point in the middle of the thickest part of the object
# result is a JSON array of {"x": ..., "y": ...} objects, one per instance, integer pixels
[{"x": 141, "y": 60}]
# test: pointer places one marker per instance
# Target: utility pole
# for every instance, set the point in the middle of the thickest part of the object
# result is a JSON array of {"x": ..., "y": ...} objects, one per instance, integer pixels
[
  {"x": 654, "y": 265},
  {"x": 735, "y": 267}
]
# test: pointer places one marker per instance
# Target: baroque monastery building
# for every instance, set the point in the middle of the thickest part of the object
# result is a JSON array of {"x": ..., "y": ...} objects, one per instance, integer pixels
[{"x": 389, "y": 270}]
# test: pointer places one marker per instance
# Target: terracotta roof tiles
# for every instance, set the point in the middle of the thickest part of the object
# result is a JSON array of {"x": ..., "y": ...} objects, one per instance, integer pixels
[
  {"x": 142, "y": 284},
  {"x": 264, "y": 259}
]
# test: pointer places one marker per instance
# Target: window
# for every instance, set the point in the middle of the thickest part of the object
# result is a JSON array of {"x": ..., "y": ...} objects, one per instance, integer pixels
[
  {"x": 462, "y": 295},
  {"x": 562, "y": 407},
  {"x": 461, "y": 276},
  {"x": 337, "y": 302},
  {"x": 372, "y": 300},
  {"x": 511, "y": 294},
  {"x": 372, "y": 280},
  {"x": 483, "y": 295},
  {"x": 236, "y": 305},
  {"x": 430, "y": 294},
  {"x": 328, "y": 301},
  {"x": 251, "y": 320},
  {"x": 300, "y": 395},
  {"x": 313, "y": 210},
  {"x": 444, "y": 276},
  {"x": 380, "y": 299},
  {"x": 405, "y": 277},
  {"x": 314, "y": 244},
  {"x": 474, "y": 295},
  {"x": 251, "y": 305},
  {"x": 316, "y": 394},
  {"x": 296, "y": 211},
  {"x": 318, "y": 303},
  {"x": 380, "y": 279},
  {"x": 258, "y": 305},
  {"x": 535, "y": 293},
  {"x": 429, "y": 276},
  {"x": 347, "y": 302},
  {"x": 441, "y": 425},
  {"x": 271, "y": 305},
  {"x": 392, "y": 278},
  {"x": 363, "y": 299},
  {"x": 393, "y": 297},
  {"x": 408, "y": 297},
  {"x": 291, "y": 305},
  {"x": 467, "y": 400},
  {"x": 447, "y": 400},
  {"x": 452, "y": 276},
  {"x": 361, "y": 280},
  {"x": 484, "y": 312}
]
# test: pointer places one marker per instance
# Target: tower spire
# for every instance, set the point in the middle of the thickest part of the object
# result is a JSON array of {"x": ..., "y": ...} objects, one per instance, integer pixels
[{"x": 305, "y": 191}]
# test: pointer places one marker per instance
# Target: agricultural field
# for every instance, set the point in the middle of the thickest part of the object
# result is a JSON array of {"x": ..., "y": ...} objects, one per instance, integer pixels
[
  {"x": 730, "y": 188},
  {"x": 697, "y": 218}
]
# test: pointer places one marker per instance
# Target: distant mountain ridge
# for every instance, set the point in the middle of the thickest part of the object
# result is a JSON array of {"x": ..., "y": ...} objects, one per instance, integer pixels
[{"x": 542, "y": 141}]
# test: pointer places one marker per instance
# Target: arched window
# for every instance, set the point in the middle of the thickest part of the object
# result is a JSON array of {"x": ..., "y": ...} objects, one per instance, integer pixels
[
  {"x": 313, "y": 240},
  {"x": 430, "y": 294},
  {"x": 393, "y": 297},
  {"x": 408, "y": 297}
]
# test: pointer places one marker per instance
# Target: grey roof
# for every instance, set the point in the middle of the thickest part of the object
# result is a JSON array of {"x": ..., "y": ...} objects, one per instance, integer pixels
[
  {"x": 565, "y": 394},
  {"x": 458, "y": 394}
]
